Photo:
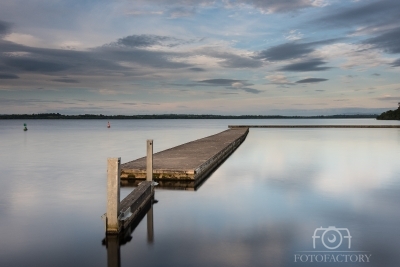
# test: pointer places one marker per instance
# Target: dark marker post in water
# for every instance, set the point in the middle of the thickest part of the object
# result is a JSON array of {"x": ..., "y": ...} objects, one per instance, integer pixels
[{"x": 25, "y": 128}]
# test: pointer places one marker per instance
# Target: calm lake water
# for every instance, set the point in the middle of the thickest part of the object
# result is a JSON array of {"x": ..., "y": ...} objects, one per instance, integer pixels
[{"x": 261, "y": 207}]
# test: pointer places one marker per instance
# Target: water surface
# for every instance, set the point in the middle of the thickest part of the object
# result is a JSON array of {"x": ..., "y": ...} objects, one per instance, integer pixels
[{"x": 259, "y": 208}]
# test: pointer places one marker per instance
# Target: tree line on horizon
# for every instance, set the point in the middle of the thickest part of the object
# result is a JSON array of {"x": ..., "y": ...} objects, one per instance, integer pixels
[
  {"x": 390, "y": 114},
  {"x": 175, "y": 116}
]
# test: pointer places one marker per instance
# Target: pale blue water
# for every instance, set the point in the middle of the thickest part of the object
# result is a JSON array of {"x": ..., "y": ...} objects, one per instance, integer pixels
[{"x": 260, "y": 208}]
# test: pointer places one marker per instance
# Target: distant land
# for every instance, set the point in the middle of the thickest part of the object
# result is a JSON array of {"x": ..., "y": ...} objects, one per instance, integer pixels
[
  {"x": 390, "y": 115},
  {"x": 58, "y": 116}
]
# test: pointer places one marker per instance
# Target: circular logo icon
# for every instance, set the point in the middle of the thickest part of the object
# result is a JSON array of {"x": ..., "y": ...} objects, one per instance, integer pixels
[{"x": 331, "y": 238}]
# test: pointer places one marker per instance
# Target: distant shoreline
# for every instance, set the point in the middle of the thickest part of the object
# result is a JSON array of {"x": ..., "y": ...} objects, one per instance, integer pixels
[{"x": 57, "y": 116}]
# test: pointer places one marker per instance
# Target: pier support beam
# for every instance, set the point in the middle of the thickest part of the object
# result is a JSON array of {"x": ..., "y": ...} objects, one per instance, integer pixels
[
  {"x": 149, "y": 162},
  {"x": 113, "y": 194}
]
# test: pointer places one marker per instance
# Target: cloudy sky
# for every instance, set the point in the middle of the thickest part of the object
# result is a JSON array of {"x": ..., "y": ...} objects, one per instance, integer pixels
[{"x": 267, "y": 57}]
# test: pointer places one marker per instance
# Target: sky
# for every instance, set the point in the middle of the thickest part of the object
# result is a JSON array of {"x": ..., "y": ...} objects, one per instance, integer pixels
[{"x": 227, "y": 57}]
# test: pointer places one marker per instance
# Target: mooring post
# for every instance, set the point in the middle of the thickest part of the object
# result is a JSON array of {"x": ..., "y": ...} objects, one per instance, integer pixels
[
  {"x": 149, "y": 164},
  {"x": 113, "y": 251},
  {"x": 150, "y": 224},
  {"x": 113, "y": 194}
]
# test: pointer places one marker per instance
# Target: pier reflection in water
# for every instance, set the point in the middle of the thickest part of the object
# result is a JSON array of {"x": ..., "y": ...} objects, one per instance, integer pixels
[{"x": 113, "y": 242}]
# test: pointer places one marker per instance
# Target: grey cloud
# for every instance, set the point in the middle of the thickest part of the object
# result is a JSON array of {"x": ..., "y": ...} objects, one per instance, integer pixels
[
  {"x": 376, "y": 74},
  {"x": 234, "y": 61},
  {"x": 360, "y": 14},
  {"x": 285, "y": 51},
  {"x": 229, "y": 84},
  {"x": 97, "y": 61},
  {"x": 130, "y": 104},
  {"x": 5, "y": 27},
  {"x": 312, "y": 80},
  {"x": 308, "y": 65},
  {"x": 213, "y": 82},
  {"x": 35, "y": 65},
  {"x": 145, "y": 40},
  {"x": 45, "y": 60},
  {"x": 65, "y": 80},
  {"x": 197, "y": 69},
  {"x": 279, "y": 5},
  {"x": 219, "y": 82},
  {"x": 8, "y": 76},
  {"x": 230, "y": 60},
  {"x": 388, "y": 41},
  {"x": 155, "y": 59},
  {"x": 251, "y": 90},
  {"x": 271, "y": 6},
  {"x": 291, "y": 50},
  {"x": 396, "y": 63}
]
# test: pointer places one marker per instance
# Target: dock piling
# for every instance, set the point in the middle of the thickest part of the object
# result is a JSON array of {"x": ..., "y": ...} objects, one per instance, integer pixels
[
  {"x": 113, "y": 194},
  {"x": 150, "y": 225},
  {"x": 149, "y": 161}
]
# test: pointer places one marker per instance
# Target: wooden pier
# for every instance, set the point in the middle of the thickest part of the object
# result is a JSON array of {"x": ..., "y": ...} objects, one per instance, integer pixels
[{"x": 190, "y": 161}]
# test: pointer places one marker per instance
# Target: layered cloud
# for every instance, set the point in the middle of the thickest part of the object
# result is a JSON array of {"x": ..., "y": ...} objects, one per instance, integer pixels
[
  {"x": 314, "y": 64},
  {"x": 388, "y": 41},
  {"x": 291, "y": 50},
  {"x": 312, "y": 80},
  {"x": 231, "y": 84},
  {"x": 4, "y": 27},
  {"x": 185, "y": 7},
  {"x": 171, "y": 51}
]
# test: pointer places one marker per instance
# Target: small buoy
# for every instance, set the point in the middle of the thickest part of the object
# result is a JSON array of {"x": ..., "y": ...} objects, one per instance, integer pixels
[
  {"x": 25, "y": 128},
  {"x": 108, "y": 125}
]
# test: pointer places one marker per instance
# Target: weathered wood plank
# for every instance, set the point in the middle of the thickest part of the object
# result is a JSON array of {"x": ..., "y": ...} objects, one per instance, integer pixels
[
  {"x": 135, "y": 201},
  {"x": 190, "y": 161}
]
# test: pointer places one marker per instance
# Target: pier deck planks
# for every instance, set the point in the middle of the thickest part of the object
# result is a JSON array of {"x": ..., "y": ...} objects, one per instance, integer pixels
[{"x": 190, "y": 161}]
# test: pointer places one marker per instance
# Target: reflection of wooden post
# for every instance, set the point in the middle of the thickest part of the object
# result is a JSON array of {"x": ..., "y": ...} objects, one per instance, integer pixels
[
  {"x": 149, "y": 164},
  {"x": 113, "y": 194},
  {"x": 150, "y": 225},
  {"x": 113, "y": 251}
]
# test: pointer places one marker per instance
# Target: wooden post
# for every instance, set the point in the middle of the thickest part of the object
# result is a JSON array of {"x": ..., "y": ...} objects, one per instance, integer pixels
[
  {"x": 149, "y": 164},
  {"x": 113, "y": 251},
  {"x": 113, "y": 194},
  {"x": 150, "y": 224}
]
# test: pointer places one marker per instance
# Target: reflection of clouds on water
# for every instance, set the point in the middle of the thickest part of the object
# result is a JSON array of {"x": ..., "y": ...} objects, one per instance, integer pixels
[
  {"x": 330, "y": 161},
  {"x": 258, "y": 245},
  {"x": 260, "y": 206},
  {"x": 336, "y": 177}
]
